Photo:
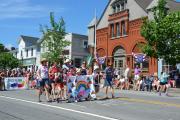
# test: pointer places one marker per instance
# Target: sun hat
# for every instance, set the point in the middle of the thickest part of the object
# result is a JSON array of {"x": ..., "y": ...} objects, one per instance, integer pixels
[
  {"x": 67, "y": 60},
  {"x": 96, "y": 67},
  {"x": 43, "y": 60},
  {"x": 78, "y": 70}
]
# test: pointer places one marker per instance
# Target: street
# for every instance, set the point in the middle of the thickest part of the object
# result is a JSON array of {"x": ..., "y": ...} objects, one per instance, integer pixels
[{"x": 128, "y": 105}]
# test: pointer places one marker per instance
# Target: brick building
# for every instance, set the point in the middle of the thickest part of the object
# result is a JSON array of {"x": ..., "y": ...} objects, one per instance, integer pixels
[{"x": 118, "y": 32}]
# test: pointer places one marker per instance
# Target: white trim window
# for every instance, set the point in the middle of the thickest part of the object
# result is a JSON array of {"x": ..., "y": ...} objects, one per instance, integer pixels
[
  {"x": 32, "y": 51},
  {"x": 85, "y": 44}
]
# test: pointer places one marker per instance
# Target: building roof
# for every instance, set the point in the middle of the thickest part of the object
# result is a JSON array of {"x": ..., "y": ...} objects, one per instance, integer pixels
[
  {"x": 104, "y": 11},
  {"x": 171, "y": 4},
  {"x": 93, "y": 22},
  {"x": 73, "y": 34},
  {"x": 78, "y": 35},
  {"x": 143, "y": 3},
  {"x": 29, "y": 41}
]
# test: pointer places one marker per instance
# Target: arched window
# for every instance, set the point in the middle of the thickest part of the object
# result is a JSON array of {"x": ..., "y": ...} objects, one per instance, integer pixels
[{"x": 119, "y": 5}]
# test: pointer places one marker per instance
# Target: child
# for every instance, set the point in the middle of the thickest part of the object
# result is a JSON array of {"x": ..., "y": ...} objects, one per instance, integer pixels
[
  {"x": 122, "y": 82},
  {"x": 71, "y": 81}
]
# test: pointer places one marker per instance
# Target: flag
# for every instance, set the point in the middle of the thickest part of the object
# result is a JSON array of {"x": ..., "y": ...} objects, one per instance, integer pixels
[
  {"x": 89, "y": 60},
  {"x": 139, "y": 58},
  {"x": 100, "y": 60}
]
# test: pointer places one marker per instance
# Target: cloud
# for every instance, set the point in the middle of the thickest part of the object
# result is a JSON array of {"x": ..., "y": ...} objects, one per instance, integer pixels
[{"x": 24, "y": 9}]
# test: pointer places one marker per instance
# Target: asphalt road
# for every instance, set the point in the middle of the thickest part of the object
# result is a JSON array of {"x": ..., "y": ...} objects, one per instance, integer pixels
[{"x": 128, "y": 105}]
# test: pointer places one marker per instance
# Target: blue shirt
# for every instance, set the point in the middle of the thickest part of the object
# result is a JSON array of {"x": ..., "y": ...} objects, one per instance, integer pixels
[{"x": 164, "y": 77}]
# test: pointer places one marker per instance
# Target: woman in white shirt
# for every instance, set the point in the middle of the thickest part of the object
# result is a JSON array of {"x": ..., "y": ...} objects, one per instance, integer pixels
[{"x": 43, "y": 79}]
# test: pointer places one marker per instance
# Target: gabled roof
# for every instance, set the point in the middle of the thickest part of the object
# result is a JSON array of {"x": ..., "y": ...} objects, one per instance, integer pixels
[
  {"x": 143, "y": 3},
  {"x": 29, "y": 41},
  {"x": 174, "y": 6},
  {"x": 104, "y": 12},
  {"x": 171, "y": 4},
  {"x": 93, "y": 22},
  {"x": 155, "y": 3}
]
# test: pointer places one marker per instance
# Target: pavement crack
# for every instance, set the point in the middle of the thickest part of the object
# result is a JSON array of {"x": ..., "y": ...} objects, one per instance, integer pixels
[{"x": 11, "y": 115}]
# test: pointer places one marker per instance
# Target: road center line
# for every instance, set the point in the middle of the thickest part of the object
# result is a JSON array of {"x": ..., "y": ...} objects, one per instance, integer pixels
[
  {"x": 57, "y": 107},
  {"x": 149, "y": 102}
]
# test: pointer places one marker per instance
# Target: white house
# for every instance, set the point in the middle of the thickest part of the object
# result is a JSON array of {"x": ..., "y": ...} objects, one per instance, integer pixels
[{"x": 28, "y": 51}]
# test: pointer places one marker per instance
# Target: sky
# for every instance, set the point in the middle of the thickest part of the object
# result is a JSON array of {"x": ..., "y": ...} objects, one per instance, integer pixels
[{"x": 23, "y": 17}]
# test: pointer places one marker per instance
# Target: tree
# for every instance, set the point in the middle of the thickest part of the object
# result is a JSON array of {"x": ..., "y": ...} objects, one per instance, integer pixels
[
  {"x": 7, "y": 60},
  {"x": 162, "y": 34},
  {"x": 54, "y": 39},
  {"x": 3, "y": 48}
]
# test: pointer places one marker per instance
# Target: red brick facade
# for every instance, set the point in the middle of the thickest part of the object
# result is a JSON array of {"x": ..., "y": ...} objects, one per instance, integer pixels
[{"x": 106, "y": 44}]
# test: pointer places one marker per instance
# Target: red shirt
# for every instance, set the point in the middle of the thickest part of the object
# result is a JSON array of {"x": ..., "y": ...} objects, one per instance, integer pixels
[{"x": 52, "y": 71}]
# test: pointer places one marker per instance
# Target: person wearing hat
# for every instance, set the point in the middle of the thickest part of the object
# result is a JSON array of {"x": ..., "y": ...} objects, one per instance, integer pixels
[
  {"x": 109, "y": 72},
  {"x": 78, "y": 71},
  {"x": 66, "y": 64},
  {"x": 43, "y": 79},
  {"x": 65, "y": 67}
]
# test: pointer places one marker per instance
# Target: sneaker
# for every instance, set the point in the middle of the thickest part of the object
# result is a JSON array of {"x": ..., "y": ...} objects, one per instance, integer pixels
[
  {"x": 57, "y": 100},
  {"x": 68, "y": 101},
  {"x": 106, "y": 97},
  {"x": 49, "y": 101}
]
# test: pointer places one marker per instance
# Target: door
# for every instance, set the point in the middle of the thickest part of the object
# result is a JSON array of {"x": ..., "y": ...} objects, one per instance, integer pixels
[{"x": 119, "y": 64}]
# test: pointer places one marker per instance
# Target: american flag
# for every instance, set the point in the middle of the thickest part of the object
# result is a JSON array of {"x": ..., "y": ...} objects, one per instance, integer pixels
[
  {"x": 139, "y": 58},
  {"x": 100, "y": 60}
]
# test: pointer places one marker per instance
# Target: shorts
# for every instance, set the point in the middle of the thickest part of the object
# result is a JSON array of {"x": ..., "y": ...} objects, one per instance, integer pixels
[
  {"x": 61, "y": 85},
  {"x": 51, "y": 82},
  {"x": 163, "y": 83},
  {"x": 126, "y": 78},
  {"x": 136, "y": 77},
  {"x": 108, "y": 82},
  {"x": 122, "y": 80},
  {"x": 43, "y": 82}
]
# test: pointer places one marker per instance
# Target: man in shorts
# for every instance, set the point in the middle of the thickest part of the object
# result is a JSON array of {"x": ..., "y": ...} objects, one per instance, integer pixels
[{"x": 43, "y": 79}]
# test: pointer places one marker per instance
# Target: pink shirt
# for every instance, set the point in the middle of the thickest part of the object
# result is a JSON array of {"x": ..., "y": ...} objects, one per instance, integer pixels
[{"x": 137, "y": 71}]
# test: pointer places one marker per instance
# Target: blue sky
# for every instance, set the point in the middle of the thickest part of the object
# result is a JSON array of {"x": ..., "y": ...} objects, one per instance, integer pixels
[{"x": 23, "y": 17}]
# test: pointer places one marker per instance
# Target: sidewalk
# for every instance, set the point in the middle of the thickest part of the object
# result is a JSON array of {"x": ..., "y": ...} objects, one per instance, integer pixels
[{"x": 174, "y": 91}]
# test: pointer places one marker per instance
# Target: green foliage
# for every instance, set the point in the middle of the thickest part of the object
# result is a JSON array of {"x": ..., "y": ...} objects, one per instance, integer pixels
[
  {"x": 7, "y": 60},
  {"x": 2, "y": 48},
  {"x": 162, "y": 34},
  {"x": 54, "y": 39}
]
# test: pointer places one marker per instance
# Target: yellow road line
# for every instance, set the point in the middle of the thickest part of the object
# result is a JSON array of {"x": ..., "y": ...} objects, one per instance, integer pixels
[{"x": 149, "y": 102}]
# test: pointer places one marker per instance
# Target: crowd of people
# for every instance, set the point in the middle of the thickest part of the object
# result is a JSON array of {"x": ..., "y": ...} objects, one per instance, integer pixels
[
  {"x": 14, "y": 73},
  {"x": 149, "y": 82},
  {"x": 52, "y": 80}
]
